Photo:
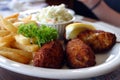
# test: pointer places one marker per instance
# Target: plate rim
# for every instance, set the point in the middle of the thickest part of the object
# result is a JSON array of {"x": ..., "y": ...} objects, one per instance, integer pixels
[{"x": 58, "y": 73}]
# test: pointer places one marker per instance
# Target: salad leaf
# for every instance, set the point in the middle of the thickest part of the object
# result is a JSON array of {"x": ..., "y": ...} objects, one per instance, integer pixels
[{"x": 41, "y": 34}]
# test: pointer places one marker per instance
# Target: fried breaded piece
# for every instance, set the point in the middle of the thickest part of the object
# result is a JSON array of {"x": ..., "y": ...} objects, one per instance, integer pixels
[
  {"x": 98, "y": 40},
  {"x": 50, "y": 55},
  {"x": 79, "y": 55}
]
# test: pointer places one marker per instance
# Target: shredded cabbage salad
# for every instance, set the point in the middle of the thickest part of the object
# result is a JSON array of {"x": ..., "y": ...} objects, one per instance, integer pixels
[{"x": 53, "y": 14}]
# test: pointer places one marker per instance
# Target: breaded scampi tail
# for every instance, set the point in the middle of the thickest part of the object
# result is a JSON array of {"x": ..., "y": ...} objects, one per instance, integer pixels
[
  {"x": 50, "y": 55},
  {"x": 98, "y": 40},
  {"x": 79, "y": 55}
]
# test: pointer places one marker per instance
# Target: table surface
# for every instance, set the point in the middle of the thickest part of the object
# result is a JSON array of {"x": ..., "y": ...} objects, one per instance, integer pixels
[{"x": 9, "y": 75}]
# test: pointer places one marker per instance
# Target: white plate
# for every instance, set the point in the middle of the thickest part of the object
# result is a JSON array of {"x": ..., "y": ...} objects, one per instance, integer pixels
[{"x": 106, "y": 62}]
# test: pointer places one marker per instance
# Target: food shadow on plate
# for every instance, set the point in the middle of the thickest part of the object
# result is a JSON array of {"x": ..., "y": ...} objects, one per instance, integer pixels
[{"x": 106, "y": 56}]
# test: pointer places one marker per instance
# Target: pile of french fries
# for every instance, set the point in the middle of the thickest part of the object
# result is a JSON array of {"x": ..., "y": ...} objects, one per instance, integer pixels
[{"x": 13, "y": 45}]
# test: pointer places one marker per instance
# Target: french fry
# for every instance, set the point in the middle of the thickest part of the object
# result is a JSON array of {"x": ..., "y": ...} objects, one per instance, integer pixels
[
  {"x": 28, "y": 48},
  {"x": 4, "y": 33},
  {"x": 24, "y": 43},
  {"x": 15, "y": 48},
  {"x": 7, "y": 25},
  {"x": 12, "y": 20},
  {"x": 4, "y": 44},
  {"x": 16, "y": 55},
  {"x": 6, "y": 40},
  {"x": 12, "y": 16},
  {"x": 26, "y": 19},
  {"x": 16, "y": 24},
  {"x": 22, "y": 40}
]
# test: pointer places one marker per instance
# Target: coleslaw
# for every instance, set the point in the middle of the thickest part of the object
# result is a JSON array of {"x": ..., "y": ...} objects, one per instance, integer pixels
[{"x": 53, "y": 14}]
